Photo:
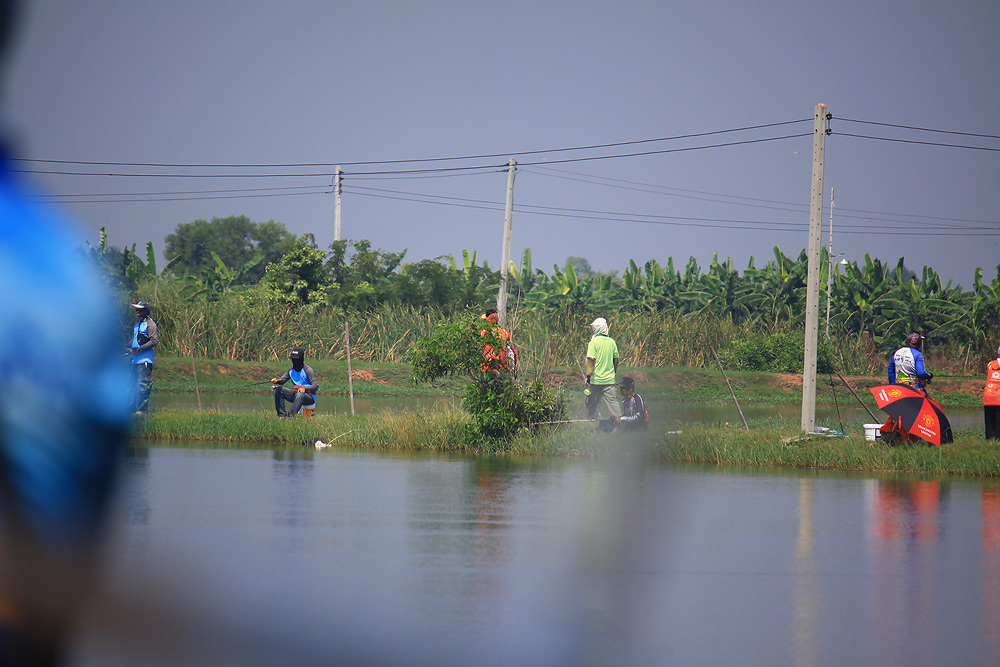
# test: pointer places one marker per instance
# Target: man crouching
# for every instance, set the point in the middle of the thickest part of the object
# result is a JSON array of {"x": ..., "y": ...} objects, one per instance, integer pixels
[{"x": 304, "y": 386}]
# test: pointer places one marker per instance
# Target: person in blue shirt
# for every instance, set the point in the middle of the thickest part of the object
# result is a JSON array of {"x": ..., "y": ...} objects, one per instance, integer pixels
[
  {"x": 304, "y": 386},
  {"x": 907, "y": 364},
  {"x": 144, "y": 339}
]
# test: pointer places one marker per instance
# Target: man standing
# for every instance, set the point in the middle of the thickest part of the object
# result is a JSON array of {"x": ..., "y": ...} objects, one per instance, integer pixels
[
  {"x": 602, "y": 363},
  {"x": 144, "y": 339},
  {"x": 304, "y": 385},
  {"x": 494, "y": 360},
  {"x": 907, "y": 364},
  {"x": 634, "y": 416},
  {"x": 991, "y": 399}
]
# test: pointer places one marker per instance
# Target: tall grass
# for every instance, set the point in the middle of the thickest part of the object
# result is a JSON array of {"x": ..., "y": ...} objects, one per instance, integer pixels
[{"x": 243, "y": 330}]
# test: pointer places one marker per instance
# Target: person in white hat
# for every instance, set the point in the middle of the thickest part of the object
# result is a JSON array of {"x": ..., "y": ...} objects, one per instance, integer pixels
[
  {"x": 144, "y": 339},
  {"x": 602, "y": 364}
]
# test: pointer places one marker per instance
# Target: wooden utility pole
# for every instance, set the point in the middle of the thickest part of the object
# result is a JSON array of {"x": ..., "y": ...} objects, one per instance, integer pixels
[
  {"x": 808, "y": 422},
  {"x": 505, "y": 252},
  {"x": 336, "y": 205}
]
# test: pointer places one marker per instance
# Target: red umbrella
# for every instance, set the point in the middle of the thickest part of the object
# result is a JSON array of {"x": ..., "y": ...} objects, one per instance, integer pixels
[{"x": 914, "y": 412}]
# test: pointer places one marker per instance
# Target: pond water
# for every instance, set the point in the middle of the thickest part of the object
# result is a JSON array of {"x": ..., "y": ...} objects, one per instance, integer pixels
[
  {"x": 671, "y": 416},
  {"x": 249, "y": 556}
]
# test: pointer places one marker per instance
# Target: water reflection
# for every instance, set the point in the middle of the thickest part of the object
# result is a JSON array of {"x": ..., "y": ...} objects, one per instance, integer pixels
[
  {"x": 989, "y": 628},
  {"x": 904, "y": 551},
  {"x": 806, "y": 594},
  {"x": 429, "y": 559}
]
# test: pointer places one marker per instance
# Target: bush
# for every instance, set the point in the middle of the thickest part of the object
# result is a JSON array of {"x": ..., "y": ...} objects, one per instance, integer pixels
[
  {"x": 500, "y": 408},
  {"x": 777, "y": 353}
]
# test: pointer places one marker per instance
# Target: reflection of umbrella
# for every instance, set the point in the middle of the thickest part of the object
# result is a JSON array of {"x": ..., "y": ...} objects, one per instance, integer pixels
[{"x": 914, "y": 412}]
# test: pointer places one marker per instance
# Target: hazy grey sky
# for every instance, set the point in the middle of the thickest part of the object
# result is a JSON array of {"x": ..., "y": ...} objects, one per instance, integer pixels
[{"x": 326, "y": 82}]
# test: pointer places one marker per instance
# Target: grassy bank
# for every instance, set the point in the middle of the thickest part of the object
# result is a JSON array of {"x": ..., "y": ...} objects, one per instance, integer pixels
[
  {"x": 763, "y": 446},
  {"x": 174, "y": 374}
]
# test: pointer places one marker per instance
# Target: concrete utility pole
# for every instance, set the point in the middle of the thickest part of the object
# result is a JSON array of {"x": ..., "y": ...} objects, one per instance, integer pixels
[
  {"x": 505, "y": 252},
  {"x": 812, "y": 279},
  {"x": 829, "y": 267},
  {"x": 336, "y": 205}
]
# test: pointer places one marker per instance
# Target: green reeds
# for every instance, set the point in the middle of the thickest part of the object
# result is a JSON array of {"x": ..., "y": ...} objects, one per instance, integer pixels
[
  {"x": 782, "y": 448},
  {"x": 764, "y": 446}
]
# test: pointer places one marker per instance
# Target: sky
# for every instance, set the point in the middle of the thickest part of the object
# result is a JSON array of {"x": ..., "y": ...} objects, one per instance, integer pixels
[{"x": 256, "y": 85}]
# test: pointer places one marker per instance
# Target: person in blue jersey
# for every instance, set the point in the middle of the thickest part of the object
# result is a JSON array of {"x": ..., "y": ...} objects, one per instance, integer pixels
[
  {"x": 144, "y": 339},
  {"x": 907, "y": 364},
  {"x": 303, "y": 389}
]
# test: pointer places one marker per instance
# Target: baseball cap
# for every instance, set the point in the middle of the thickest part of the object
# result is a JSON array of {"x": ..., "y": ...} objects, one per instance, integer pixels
[
  {"x": 297, "y": 353},
  {"x": 140, "y": 305}
]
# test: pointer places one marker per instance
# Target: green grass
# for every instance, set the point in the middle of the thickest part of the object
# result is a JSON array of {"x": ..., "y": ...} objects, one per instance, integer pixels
[
  {"x": 969, "y": 455},
  {"x": 766, "y": 445}
]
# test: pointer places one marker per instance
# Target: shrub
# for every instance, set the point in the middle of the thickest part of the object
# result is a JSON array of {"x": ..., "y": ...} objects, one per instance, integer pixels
[{"x": 777, "y": 353}]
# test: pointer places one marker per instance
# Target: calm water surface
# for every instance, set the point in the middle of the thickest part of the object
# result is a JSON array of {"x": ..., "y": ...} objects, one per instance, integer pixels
[{"x": 297, "y": 556}]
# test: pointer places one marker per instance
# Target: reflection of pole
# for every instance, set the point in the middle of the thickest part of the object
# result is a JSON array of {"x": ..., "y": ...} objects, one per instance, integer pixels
[
  {"x": 829, "y": 267},
  {"x": 733, "y": 393},
  {"x": 808, "y": 422},
  {"x": 350, "y": 376},
  {"x": 505, "y": 252}
]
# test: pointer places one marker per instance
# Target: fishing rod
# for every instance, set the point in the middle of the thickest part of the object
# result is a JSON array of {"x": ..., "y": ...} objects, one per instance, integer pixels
[
  {"x": 563, "y": 421},
  {"x": 250, "y": 384}
]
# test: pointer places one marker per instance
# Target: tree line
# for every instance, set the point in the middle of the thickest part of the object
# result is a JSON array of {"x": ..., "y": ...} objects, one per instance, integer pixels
[{"x": 265, "y": 265}]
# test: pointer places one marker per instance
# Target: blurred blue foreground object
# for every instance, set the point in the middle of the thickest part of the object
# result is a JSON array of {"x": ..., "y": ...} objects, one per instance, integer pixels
[{"x": 62, "y": 425}]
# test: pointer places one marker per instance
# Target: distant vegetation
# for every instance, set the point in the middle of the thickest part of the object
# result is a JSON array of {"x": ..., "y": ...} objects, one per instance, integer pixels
[{"x": 239, "y": 290}]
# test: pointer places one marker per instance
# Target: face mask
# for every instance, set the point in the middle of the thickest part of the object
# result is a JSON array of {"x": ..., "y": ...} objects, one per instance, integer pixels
[{"x": 297, "y": 364}]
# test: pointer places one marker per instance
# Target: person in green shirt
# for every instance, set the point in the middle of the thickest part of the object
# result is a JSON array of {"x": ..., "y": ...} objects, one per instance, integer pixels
[{"x": 602, "y": 363}]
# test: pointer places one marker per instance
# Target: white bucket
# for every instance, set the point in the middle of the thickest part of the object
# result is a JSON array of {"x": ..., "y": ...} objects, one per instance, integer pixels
[{"x": 873, "y": 432}]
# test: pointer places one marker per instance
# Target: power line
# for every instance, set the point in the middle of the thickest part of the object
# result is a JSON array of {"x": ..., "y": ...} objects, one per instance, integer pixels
[
  {"x": 135, "y": 201},
  {"x": 416, "y": 160},
  {"x": 669, "y": 150},
  {"x": 590, "y": 214},
  {"x": 425, "y": 170},
  {"x": 784, "y": 206},
  {"x": 177, "y": 192},
  {"x": 921, "y": 129},
  {"x": 915, "y": 141}
]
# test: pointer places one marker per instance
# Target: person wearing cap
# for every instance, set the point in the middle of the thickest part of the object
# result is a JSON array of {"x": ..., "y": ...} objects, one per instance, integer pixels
[
  {"x": 493, "y": 360},
  {"x": 602, "y": 364},
  {"x": 907, "y": 364},
  {"x": 144, "y": 339},
  {"x": 991, "y": 399},
  {"x": 634, "y": 415},
  {"x": 303, "y": 389}
]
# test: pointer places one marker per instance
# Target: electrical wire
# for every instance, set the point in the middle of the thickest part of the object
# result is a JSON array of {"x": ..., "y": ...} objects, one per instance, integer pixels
[
  {"x": 177, "y": 192},
  {"x": 915, "y": 141},
  {"x": 417, "y": 160},
  {"x": 921, "y": 129},
  {"x": 135, "y": 201},
  {"x": 424, "y": 170},
  {"x": 645, "y": 218},
  {"x": 783, "y": 206}
]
